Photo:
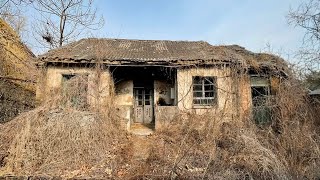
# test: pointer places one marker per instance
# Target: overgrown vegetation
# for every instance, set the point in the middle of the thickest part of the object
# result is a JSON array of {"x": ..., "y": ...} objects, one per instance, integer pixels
[
  {"x": 224, "y": 148},
  {"x": 70, "y": 139},
  {"x": 62, "y": 137}
]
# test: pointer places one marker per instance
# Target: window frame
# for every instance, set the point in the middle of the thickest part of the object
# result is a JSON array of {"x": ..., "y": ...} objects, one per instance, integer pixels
[
  {"x": 203, "y": 91},
  {"x": 261, "y": 110},
  {"x": 266, "y": 85}
]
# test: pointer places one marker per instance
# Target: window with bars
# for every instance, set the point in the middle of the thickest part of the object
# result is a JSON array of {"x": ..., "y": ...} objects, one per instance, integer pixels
[{"x": 204, "y": 91}]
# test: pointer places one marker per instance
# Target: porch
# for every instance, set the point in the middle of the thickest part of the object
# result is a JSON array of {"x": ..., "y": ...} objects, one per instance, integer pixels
[{"x": 143, "y": 94}]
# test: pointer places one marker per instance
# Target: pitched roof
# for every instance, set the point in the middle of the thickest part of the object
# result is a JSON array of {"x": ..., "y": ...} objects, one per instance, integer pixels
[
  {"x": 111, "y": 50},
  {"x": 163, "y": 52}
]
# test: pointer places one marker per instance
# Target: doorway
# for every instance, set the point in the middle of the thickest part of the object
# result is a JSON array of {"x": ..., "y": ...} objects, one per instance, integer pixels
[{"x": 143, "y": 102}]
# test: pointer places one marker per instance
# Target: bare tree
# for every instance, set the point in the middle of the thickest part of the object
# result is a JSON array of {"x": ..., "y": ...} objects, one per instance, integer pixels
[
  {"x": 10, "y": 11},
  {"x": 63, "y": 21},
  {"x": 307, "y": 16}
]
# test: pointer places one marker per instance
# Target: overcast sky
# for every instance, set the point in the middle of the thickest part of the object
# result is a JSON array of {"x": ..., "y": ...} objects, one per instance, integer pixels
[{"x": 249, "y": 23}]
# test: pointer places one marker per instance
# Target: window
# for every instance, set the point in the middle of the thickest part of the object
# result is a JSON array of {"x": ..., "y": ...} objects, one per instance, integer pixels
[
  {"x": 260, "y": 93},
  {"x": 74, "y": 90},
  {"x": 204, "y": 91}
]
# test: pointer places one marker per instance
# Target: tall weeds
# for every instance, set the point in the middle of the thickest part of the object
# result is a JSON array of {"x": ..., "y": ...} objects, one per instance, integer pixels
[
  {"x": 63, "y": 137},
  {"x": 288, "y": 148}
]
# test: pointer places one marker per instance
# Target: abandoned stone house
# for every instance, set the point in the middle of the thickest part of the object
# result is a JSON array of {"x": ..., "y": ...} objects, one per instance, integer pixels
[{"x": 155, "y": 79}]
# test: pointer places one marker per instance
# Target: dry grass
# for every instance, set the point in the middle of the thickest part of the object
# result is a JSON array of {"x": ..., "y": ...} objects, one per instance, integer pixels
[
  {"x": 62, "y": 138},
  {"x": 65, "y": 137},
  {"x": 227, "y": 149}
]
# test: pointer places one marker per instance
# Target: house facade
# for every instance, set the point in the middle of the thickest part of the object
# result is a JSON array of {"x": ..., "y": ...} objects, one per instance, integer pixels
[{"x": 151, "y": 81}]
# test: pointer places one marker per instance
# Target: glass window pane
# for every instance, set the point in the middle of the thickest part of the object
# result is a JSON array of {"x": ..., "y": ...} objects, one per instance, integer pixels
[
  {"x": 259, "y": 91},
  {"x": 140, "y": 103},
  {"x": 210, "y": 101},
  {"x": 147, "y": 102},
  {"x": 203, "y": 101},
  {"x": 209, "y": 94},
  {"x": 147, "y": 97},
  {"x": 197, "y": 87},
  {"x": 197, "y": 80},
  {"x": 197, "y": 94},
  {"x": 208, "y": 80},
  {"x": 196, "y": 101},
  {"x": 208, "y": 87},
  {"x": 259, "y": 81}
]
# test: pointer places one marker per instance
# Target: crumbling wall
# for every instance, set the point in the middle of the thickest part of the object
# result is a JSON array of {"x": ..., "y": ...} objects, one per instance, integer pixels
[
  {"x": 162, "y": 90},
  {"x": 245, "y": 99},
  {"x": 124, "y": 93},
  {"x": 17, "y": 74},
  {"x": 98, "y": 89},
  {"x": 124, "y": 101}
]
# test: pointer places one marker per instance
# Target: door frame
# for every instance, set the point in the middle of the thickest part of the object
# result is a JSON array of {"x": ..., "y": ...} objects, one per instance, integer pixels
[{"x": 145, "y": 85}]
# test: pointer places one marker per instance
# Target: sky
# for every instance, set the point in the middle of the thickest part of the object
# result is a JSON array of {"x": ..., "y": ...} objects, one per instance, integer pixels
[{"x": 258, "y": 25}]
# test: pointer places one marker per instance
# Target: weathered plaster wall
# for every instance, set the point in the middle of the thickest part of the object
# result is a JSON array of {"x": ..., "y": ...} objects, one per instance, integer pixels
[
  {"x": 98, "y": 86},
  {"x": 244, "y": 100},
  {"x": 225, "y": 92},
  {"x": 245, "y": 96},
  {"x": 124, "y": 93},
  {"x": 162, "y": 90},
  {"x": 124, "y": 101}
]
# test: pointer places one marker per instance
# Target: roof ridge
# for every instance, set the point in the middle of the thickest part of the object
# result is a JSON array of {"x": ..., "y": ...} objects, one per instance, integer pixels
[{"x": 150, "y": 40}]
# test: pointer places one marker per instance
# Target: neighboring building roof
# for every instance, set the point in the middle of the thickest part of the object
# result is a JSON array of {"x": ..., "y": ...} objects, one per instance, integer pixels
[
  {"x": 161, "y": 52},
  {"x": 315, "y": 92}
]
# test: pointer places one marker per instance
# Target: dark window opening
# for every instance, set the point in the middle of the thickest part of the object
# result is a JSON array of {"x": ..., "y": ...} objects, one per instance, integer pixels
[
  {"x": 204, "y": 91},
  {"x": 74, "y": 90},
  {"x": 260, "y": 93},
  {"x": 66, "y": 77}
]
